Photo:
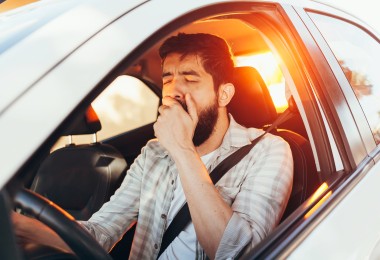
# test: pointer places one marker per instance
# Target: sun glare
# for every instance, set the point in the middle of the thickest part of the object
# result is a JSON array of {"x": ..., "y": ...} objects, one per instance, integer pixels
[
  {"x": 315, "y": 196},
  {"x": 269, "y": 70}
]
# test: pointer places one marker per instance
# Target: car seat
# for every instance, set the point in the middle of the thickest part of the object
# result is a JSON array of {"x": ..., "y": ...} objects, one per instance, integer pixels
[
  {"x": 252, "y": 106},
  {"x": 81, "y": 178}
]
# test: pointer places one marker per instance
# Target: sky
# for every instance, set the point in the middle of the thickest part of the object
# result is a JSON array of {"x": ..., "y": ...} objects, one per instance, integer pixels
[{"x": 365, "y": 10}]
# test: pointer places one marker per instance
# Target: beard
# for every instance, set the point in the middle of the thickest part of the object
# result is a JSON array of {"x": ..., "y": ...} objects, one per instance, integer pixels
[{"x": 206, "y": 122}]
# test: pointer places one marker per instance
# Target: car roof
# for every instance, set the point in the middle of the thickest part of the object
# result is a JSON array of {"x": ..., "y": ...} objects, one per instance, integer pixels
[
  {"x": 21, "y": 22},
  {"x": 46, "y": 24}
]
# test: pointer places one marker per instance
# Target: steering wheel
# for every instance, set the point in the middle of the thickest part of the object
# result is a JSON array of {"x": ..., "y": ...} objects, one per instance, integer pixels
[{"x": 76, "y": 237}]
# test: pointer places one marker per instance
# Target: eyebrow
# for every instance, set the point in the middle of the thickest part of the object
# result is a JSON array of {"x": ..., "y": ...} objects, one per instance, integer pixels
[
  {"x": 186, "y": 72},
  {"x": 190, "y": 72},
  {"x": 165, "y": 74}
]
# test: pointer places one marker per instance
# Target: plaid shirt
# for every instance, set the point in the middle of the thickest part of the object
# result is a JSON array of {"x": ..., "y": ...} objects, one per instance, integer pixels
[{"x": 257, "y": 189}]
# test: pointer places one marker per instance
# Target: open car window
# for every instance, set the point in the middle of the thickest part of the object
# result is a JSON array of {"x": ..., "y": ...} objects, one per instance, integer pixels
[{"x": 126, "y": 104}]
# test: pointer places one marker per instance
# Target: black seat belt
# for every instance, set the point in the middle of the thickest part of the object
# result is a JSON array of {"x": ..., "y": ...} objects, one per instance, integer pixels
[{"x": 183, "y": 216}]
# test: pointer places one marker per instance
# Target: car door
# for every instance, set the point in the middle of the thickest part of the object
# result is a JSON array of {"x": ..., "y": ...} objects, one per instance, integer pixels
[{"x": 351, "y": 223}]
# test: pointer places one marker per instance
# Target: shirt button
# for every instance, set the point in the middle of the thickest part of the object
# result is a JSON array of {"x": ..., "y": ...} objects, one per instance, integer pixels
[
  {"x": 172, "y": 182},
  {"x": 155, "y": 246},
  {"x": 163, "y": 216}
]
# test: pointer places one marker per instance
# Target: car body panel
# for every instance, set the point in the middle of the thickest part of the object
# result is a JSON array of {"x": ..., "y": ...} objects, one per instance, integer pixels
[
  {"x": 54, "y": 41},
  {"x": 352, "y": 229}
]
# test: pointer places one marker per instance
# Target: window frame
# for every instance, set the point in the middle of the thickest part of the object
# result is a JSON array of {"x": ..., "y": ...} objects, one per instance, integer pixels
[
  {"x": 349, "y": 90},
  {"x": 367, "y": 142}
]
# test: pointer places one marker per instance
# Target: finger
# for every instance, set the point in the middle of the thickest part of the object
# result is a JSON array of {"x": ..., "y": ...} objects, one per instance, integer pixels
[
  {"x": 191, "y": 108},
  {"x": 169, "y": 101},
  {"x": 18, "y": 218},
  {"x": 163, "y": 108},
  {"x": 15, "y": 218},
  {"x": 174, "y": 102},
  {"x": 155, "y": 129}
]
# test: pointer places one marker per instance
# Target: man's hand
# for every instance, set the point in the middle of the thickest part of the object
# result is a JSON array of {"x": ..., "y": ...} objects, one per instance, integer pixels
[
  {"x": 29, "y": 230},
  {"x": 25, "y": 228},
  {"x": 174, "y": 127}
]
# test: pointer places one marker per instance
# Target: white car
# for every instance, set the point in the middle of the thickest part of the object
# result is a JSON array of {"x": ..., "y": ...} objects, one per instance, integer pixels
[{"x": 61, "y": 58}]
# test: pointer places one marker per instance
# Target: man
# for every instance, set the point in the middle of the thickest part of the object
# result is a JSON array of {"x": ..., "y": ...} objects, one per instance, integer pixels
[{"x": 194, "y": 134}]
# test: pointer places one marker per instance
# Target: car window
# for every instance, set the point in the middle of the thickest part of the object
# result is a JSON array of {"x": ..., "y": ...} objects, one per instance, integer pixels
[
  {"x": 358, "y": 54},
  {"x": 127, "y": 103}
]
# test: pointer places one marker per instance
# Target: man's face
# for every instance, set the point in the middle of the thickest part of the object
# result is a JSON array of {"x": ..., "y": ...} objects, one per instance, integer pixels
[{"x": 183, "y": 75}]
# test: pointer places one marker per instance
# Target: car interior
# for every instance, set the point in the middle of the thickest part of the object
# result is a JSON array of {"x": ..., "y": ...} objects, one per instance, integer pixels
[{"x": 69, "y": 177}]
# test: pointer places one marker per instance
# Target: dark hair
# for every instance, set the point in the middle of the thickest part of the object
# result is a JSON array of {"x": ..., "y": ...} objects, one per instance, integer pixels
[{"x": 214, "y": 52}]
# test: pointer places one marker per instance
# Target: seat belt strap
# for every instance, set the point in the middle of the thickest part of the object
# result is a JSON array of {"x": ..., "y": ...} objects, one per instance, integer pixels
[{"x": 183, "y": 218}]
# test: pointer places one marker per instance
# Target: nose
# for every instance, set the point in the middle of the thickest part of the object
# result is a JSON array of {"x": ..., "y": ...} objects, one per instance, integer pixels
[{"x": 174, "y": 90}]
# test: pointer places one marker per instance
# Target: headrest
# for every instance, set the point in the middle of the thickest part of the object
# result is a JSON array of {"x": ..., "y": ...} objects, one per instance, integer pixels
[
  {"x": 88, "y": 123},
  {"x": 252, "y": 105}
]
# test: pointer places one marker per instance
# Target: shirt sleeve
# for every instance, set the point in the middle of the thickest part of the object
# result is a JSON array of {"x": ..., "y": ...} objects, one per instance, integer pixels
[
  {"x": 262, "y": 199},
  {"x": 115, "y": 217}
]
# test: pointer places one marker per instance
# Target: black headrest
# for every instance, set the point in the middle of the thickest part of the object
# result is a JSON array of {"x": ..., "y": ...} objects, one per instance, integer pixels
[
  {"x": 88, "y": 123},
  {"x": 252, "y": 105}
]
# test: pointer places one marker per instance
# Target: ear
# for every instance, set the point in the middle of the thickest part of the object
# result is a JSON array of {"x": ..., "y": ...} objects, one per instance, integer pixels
[{"x": 225, "y": 94}]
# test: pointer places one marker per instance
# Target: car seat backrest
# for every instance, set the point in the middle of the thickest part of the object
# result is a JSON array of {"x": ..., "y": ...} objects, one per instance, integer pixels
[
  {"x": 81, "y": 178},
  {"x": 252, "y": 106}
]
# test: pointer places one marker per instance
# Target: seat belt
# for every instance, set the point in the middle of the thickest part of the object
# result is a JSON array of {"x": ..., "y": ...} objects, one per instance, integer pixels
[{"x": 183, "y": 216}]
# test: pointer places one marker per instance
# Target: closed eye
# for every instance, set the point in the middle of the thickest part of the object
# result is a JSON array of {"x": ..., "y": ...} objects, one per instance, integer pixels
[
  {"x": 166, "y": 81},
  {"x": 191, "y": 78},
  {"x": 167, "y": 78},
  {"x": 191, "y": 81}
]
